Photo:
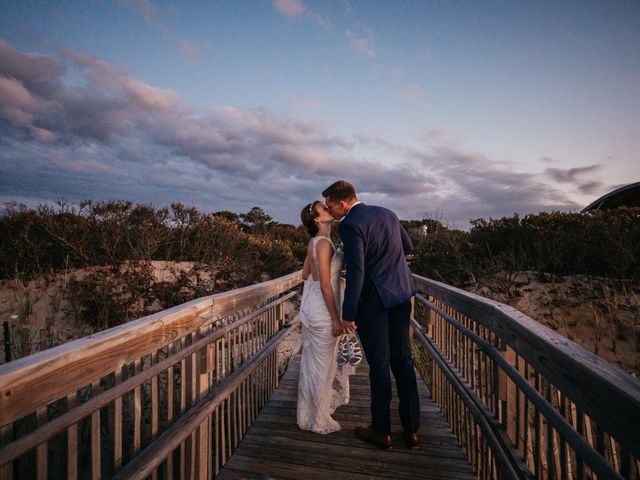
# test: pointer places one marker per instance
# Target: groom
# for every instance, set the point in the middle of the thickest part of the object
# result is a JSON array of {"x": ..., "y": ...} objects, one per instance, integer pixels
[{"x": 377, "y": 302}]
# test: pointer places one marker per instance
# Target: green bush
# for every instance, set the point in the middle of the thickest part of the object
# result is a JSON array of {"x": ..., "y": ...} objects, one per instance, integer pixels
[{"x": 603, "y": 243}]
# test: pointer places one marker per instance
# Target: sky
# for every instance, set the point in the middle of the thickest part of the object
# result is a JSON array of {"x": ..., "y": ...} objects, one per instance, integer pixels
[{"x": 445, "y": 110}]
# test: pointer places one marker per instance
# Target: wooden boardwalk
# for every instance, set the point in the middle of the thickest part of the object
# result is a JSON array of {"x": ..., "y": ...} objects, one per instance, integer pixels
[{"x": 275, "y": 448}]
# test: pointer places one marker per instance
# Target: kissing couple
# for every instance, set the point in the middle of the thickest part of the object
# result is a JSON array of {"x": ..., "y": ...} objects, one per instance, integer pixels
[{"x": 376, "y": 305}]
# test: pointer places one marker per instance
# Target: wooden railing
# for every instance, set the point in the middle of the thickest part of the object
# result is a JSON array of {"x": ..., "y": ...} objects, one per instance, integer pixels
[
  {"x": 169, "y": 395},
  {"x": 523, "y": 400}
]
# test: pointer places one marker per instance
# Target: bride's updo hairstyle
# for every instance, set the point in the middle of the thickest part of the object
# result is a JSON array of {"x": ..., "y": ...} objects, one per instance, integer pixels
[{"x": 308, "y": 214}]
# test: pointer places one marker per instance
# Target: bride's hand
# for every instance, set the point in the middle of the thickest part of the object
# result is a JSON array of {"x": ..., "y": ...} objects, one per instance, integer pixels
[{"x": 337, "y": 329}]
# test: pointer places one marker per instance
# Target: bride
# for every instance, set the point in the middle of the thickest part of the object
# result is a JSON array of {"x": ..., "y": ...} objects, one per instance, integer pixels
[{"x": 322, "y": 386}]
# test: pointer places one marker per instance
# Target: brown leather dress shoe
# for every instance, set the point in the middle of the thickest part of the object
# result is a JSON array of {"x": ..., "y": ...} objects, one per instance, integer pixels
[
  {"x": 411, "y": 440},
  {"x": 377, "y": 439}
]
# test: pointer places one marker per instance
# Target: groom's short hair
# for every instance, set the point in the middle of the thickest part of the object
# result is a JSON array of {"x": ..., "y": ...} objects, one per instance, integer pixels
[{"x": 340, "y": 190}]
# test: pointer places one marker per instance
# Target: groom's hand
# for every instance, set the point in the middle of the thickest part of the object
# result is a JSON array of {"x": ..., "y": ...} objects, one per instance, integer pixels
[{"x": 348, "y": 327}]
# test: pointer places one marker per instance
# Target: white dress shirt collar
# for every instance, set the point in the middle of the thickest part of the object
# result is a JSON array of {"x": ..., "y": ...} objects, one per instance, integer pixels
[{"x": 345, "y": 215}]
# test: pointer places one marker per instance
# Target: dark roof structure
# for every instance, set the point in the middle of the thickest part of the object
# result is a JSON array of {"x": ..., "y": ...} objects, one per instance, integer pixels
[{"x": 626, "y": 196}]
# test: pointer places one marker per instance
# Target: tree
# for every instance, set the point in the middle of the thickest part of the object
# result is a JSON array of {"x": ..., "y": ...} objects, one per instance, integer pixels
[
  {"x": 227, "y": 215},
  {"x": 255, "y": 217}
]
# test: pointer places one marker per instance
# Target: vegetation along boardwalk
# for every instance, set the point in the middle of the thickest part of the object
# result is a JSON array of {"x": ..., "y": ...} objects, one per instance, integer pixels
[{"x": 274, "y": 446}]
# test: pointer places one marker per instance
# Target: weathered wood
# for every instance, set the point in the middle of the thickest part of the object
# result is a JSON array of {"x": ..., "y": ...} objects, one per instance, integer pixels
[
  {"x": 149, "y": 459},
  {"x": 41, "y": 454},
  {"x": 595, "y": 461},
  {"x": 605, "y": 392},
  {"x": 117, "y": 425},
  {"x": 34, "y": 381},
  {"x": 276, "y": 447},
  {"x": 484, "y": 393},
  {"x": 505, "y": 454},
  {"x": 6, "y": 437},
  {"x": 72, "y": 441}
]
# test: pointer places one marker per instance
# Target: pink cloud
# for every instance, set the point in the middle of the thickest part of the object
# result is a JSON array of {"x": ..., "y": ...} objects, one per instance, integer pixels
[
  {"x": 189, "y": 50},
  {"x": 117, "y": 79},
  {"x": 361, "y": 44},
  {"x": 145, "y": 8},
  {"x": 289, "y": 8}
]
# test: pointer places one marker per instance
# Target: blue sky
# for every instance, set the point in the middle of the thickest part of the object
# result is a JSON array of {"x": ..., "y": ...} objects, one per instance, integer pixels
[{"x": 449, "y": 110}]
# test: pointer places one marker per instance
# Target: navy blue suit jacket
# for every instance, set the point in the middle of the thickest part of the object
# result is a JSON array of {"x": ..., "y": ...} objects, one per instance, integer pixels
[{"x": 375, "y": 245}]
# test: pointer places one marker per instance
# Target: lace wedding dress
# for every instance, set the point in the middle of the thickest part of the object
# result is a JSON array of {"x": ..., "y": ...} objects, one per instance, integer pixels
[{"x": 322, "y": 386}]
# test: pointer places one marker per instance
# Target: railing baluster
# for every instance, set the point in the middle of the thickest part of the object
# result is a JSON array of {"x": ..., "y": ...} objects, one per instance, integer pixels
[
  {"x": 564, "y": 458},
  {"x": 137, "y": 411},
  {"x": 154, "y": 398},
  {"x": 6, "y": 437},
  {"x": 95, "y": 436},
  {"x": 117, "y": 424},
  {"x": 72, "y": 440},
  {"x": 216, "y": 440},
  {"x": 42, "y": 463},
  {"x": 581, "y": 426}
]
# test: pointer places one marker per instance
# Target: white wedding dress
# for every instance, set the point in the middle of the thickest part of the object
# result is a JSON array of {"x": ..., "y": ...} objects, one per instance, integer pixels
[{"x": 322, "y": 386}]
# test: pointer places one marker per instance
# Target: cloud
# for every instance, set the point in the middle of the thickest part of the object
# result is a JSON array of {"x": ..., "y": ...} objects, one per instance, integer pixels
[
  {"x": 144, "y": 8},
  {"x": 289, "y": 8},
  {"x": 462, "y": 185},
  {"x": 361, "y": 43},
  {"x": 189, "y": 50},
  {"x": 306, "y": 103},
  {"x": 109, "y": 135},
  {"x": 412, "y": 93},
  {"x": 396, "y": 73},
  {"x": 112, "y": 80},
  {"x": 320, "y": 20},
  {"x": 591, "y": 187},
  {"x": 571, "y": 175}
]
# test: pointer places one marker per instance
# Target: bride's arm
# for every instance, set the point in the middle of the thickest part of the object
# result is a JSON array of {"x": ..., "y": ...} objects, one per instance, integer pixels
[{"x": 325, "y": 254}]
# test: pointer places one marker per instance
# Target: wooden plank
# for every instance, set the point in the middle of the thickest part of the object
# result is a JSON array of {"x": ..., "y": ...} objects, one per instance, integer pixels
[
  {"x": 137, "y": 411},
  {"x": 6, "y": 437},
  {"x": 155, "y": 400},
  {"x": 95, "y": 444},
  {"x": 117, "y": 425},
  {"x": 72, "y": 441},
  {"x": 152, "y": 456},
  {"x": 203, "y": 450},
  {"x": 42, "y": 461},
  {"x": 275, "y": 446}
]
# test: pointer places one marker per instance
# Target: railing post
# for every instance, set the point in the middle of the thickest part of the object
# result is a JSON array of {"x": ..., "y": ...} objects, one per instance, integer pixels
[{"x": 6, "y": 333}]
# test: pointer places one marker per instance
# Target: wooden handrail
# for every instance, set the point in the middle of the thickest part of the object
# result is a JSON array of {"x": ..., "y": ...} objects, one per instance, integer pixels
[
  {"x": 183, "y": 385},
  {"x": 32, "y": 382},
  {"x": 508, "y": 463},
  {"x": 604, "y": 392},
  {"x": 149, "y": 459},
  {"x": 582, "y": 411},
  {"x": 140, "y": 378},
  {"x": 597, "y": 463},
  {"x": 50, "y": 429}
]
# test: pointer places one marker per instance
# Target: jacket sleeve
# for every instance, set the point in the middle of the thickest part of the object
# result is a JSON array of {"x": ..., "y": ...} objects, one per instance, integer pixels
[
  {"x": 353, "y": 246},
  {"x": 407, "y": 246}
]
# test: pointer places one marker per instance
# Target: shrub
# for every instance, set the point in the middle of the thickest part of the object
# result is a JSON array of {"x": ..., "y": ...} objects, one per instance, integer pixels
[{"x": 603, "y": 243}]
